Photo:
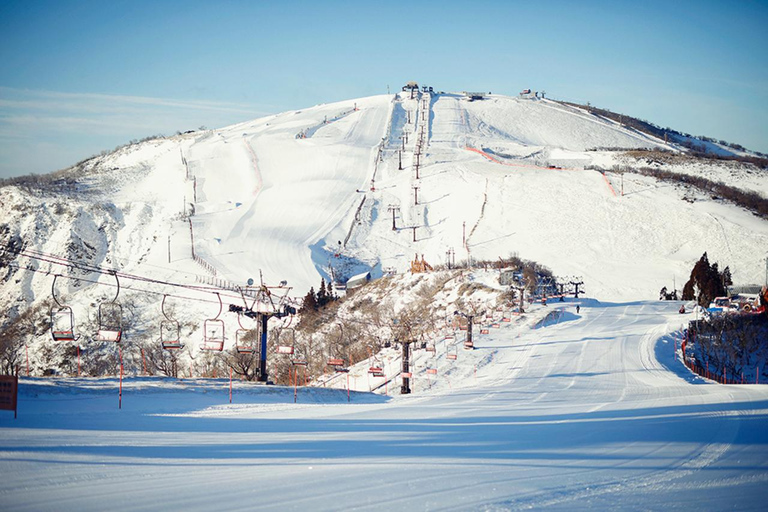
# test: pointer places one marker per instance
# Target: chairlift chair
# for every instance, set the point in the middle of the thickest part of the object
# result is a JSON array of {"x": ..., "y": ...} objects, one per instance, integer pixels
[
  {"x": 111, "y": 318},
  {"x": 170, "y": 331},
  {"x": 170, "y": 335},
  {"x": 62, "y": 324},
  {"x": 62, "y": 319},
  {"x": 213, "y": 332},
  {"x": 245, "y": 339},
  {"x": 110, "y": 322}
]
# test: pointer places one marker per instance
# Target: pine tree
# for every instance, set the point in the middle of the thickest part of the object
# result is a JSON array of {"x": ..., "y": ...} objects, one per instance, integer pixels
[
  {"x": 322, "y": 294},
  {"x": 310, "y": 302},
  {"x": 707, "y": 280}
]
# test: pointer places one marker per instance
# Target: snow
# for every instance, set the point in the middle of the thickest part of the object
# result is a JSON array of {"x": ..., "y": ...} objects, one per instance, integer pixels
[
  {"x": 555, "y": 410},
  {"x": 552, "y": 410}
]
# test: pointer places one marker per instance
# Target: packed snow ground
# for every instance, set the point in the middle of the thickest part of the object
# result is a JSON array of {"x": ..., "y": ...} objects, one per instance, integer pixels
[{"x": 566, "y": 411}]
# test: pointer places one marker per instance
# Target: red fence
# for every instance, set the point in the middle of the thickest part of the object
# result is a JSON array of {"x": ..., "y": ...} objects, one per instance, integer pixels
[{"x": 713, "y": 374}]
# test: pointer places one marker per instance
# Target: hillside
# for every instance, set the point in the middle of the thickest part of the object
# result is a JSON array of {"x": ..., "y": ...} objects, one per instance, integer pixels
[{"x": 308, "y": 194}]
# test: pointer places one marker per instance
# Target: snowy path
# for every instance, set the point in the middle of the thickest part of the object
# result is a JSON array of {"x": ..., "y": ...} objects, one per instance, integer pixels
[{"x": 590, "y": 412}]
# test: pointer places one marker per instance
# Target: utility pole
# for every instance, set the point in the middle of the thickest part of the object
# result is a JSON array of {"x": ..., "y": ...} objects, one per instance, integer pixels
[
  {"x": 415, "y": 195},
  {"x": 392, "y": 208},
  {"x": 414, "y": 232}
]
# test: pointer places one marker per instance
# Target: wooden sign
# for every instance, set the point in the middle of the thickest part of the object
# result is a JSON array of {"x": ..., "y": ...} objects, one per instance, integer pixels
[{"x": 9, "y": 391}]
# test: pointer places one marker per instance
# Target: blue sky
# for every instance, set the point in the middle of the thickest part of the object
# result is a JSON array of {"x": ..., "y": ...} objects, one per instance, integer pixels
[{"x": 80, "y": 77}]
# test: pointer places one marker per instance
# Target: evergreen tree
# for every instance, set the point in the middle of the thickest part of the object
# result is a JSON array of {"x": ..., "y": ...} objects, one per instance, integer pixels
[
  {"x": 707, "y": 280},
  {"x": 322, "y": 294},
  {"x": 310, "y": 302}
]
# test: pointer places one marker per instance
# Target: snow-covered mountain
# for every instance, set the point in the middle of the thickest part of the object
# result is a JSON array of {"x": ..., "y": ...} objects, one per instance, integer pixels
[{"x": 317, "y": 192}]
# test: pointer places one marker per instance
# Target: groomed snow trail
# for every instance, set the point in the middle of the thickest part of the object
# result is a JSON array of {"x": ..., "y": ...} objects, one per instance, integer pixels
[{"x": 586, "y": 411}]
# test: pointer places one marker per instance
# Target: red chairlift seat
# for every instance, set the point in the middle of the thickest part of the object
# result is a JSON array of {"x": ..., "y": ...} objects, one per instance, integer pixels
[
  {"x": 62, "y": 319},
  {"x": 484, "y": 331},
  {"x": 245, "y": 341},
  {"x": 213, "y": 335},
  {"x": 213, "y": 332},
  {"x": 62, "y": 324},
  {"x": 451, "y": 357},
  {"x": 110, "y": 322},
  {"x": 170, "y": 335},
  {"x": 170, "y": 331}
]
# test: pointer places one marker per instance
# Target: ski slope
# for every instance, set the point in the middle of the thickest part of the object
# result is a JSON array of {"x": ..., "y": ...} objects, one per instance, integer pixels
[
  {"x": 309, "y": 194},
  {"x": 571, "y": 412}
]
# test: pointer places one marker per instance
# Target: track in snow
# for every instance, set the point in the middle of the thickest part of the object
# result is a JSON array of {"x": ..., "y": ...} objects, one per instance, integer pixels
[{"x": 591, "y": 411}]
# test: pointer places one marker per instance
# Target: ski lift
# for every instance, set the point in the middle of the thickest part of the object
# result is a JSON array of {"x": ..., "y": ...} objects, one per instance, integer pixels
[
  {"x": 282, "y": 347},
  {"x": 377, "y": 368},
  {"x": 170, "y": 331},
  {"x": 213, "y": 332},
  {"x": 62, "y": 319},
  {"x": 245, "y": 339},
  {"x": 338, "y": 364},
  {"x": 111, "y": 318}
]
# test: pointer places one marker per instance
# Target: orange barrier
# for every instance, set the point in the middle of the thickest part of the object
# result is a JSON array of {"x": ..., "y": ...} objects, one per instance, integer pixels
[
  {"x": 529, "y": 166},
  {"x": 609, "y": 184},
  {"x": 705, "y": 372},
  {"x": 509, "y": 164}
]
